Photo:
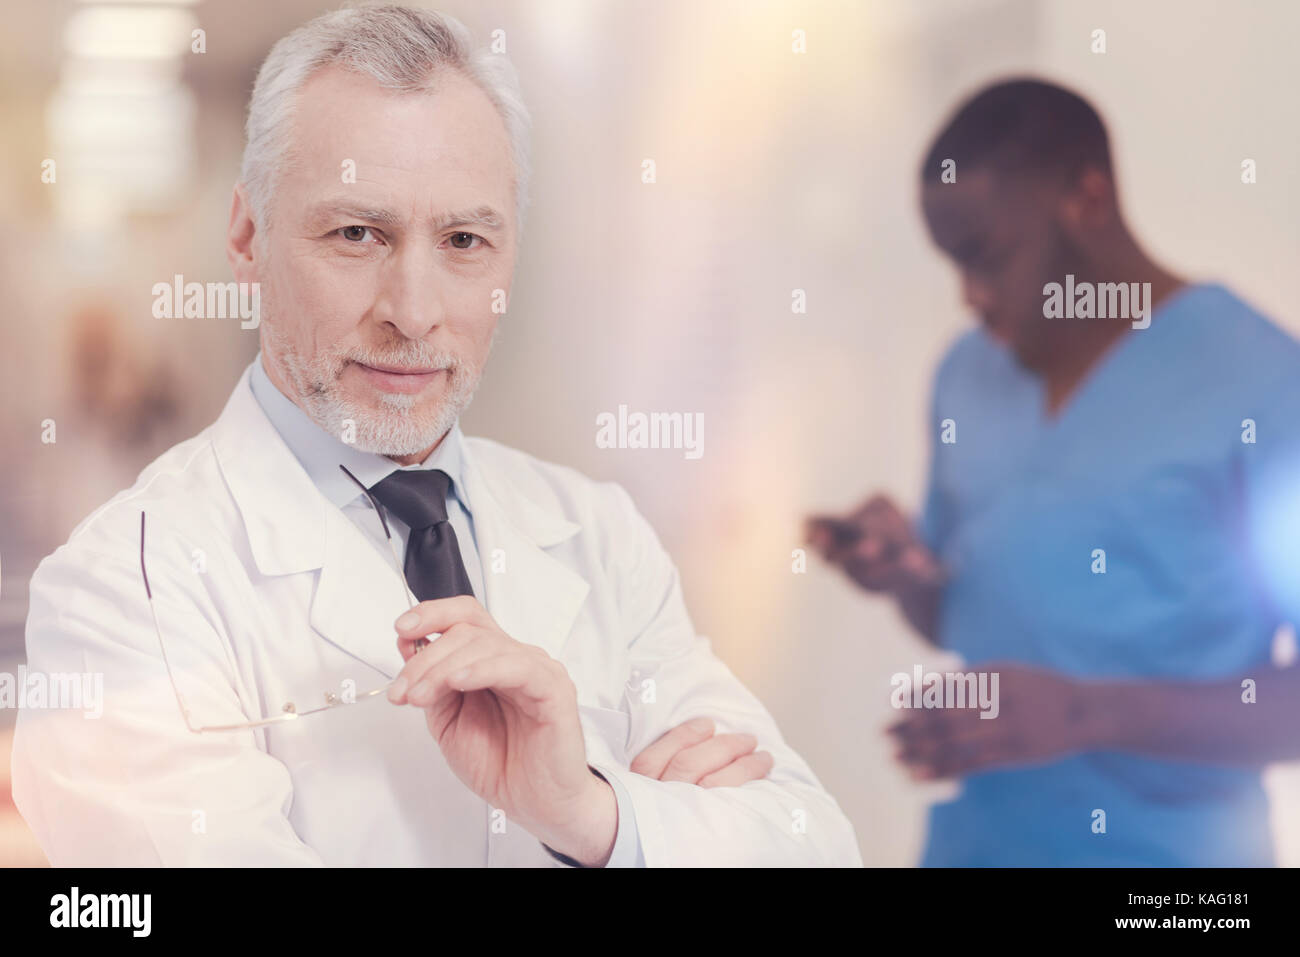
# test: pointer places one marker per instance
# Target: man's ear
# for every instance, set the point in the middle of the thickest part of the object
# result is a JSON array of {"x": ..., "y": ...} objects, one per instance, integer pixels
[
  {"x": 241, "y": 251},
  {"x": 1089, "y": 206}
]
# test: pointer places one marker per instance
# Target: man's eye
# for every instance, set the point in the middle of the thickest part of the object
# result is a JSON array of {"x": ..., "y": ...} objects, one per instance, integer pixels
[
  {"x": 466, "y": 238},
  {"x": 354, "y": 234}
]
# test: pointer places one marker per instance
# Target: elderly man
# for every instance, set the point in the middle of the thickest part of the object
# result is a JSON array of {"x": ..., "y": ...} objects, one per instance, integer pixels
[{"x": 241, "y": 599}]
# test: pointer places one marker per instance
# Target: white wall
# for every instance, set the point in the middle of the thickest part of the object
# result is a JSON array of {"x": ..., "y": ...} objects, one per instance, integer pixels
[{"x": 779, "y": 172}]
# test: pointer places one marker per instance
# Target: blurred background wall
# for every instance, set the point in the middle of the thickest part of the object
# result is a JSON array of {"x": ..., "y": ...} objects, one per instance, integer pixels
[{"x": 775, "y": 171}]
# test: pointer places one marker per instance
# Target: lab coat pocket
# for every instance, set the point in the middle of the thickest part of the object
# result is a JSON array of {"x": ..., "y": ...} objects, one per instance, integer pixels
[
  {"x": 640, "y": 695},
  {"x": 605, "y": 732}
]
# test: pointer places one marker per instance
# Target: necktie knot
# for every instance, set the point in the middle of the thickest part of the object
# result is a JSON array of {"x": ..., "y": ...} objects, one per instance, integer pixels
[{"x": 418, "y": 497}]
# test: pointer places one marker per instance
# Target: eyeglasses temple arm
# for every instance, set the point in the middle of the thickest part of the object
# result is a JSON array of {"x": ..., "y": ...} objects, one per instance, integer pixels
[
  {"x": 147, "y": 590},
  {"x": 162, "y": 646}
]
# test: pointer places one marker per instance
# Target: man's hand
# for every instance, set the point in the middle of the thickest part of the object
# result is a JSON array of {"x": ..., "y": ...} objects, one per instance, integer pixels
[
  {"x": 879, "y": 550},
  {"x": 876, "y": 546},
  {"x": 691, "y": 752},
  {"x": 1041, "y": 718},
  {"x": 505, "y": 715}
]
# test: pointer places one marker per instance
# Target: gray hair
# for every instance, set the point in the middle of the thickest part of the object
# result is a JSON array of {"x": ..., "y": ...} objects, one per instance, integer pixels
[{"x": 400, "y": 47}]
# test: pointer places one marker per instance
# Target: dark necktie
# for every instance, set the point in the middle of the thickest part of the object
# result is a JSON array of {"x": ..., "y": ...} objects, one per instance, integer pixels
[{"x": 433, "y": 563}]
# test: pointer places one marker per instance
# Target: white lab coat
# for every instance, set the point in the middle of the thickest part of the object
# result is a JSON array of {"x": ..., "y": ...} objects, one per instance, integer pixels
[{"x": 267, "y": 594}]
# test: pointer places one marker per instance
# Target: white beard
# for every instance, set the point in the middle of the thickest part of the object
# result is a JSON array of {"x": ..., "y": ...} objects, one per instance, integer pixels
[{"x": 395, "y": 429}]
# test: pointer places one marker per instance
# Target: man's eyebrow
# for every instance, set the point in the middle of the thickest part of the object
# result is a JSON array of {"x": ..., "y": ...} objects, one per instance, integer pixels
[
  {"x": 359, "y": 214},
  {"x": 484, "y": 217}
]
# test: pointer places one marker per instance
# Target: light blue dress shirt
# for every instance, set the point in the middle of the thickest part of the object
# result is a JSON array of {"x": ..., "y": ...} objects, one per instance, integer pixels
[
  {"x": 1179, "y": 458},
  {"x": 321, "y": 453}
]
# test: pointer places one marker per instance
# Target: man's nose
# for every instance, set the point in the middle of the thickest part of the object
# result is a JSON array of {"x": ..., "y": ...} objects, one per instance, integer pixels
[{"x": 409, "y": 296}]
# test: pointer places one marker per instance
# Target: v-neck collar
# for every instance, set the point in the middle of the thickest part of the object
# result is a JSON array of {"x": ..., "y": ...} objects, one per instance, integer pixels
[{"x": 1134, "y": 341}]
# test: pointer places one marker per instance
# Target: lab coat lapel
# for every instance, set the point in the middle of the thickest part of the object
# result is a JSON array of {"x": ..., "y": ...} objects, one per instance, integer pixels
[
  {"x": 532, "y": 595},
  {"x": 292, "y": 529},
  {"x": 359, "y": 596}
]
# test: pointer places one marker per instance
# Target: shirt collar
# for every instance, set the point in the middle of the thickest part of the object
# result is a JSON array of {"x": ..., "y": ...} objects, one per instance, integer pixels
[{"x": 321, "y": 453}]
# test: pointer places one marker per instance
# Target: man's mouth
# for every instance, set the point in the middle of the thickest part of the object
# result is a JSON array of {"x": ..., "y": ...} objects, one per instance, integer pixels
[{"x": 402, "y": 379}]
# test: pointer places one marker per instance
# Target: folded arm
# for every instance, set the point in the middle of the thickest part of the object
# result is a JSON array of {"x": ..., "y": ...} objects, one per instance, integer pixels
[{"x": 786, "y": 818}]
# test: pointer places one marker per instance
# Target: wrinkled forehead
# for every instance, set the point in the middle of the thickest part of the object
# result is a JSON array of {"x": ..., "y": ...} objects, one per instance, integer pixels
[{"x": 447, "y": 144}]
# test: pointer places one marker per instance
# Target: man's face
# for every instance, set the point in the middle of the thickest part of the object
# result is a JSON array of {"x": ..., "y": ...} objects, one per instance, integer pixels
[
  {"x": 1004, "y": 239},
  {"x": 377, "y": 295}
]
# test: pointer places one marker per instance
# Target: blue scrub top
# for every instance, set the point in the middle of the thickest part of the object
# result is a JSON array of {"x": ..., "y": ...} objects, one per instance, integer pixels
[{"x": 1201, "y": 534}]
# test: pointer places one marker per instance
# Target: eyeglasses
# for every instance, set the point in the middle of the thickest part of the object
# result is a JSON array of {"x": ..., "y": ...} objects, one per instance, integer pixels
[{"x": 289, "y": 712}]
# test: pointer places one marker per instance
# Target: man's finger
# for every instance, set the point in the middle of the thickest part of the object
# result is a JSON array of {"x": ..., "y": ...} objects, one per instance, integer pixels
[
  {"x": 932, "y": 729},
  {"x": 881, "y": 518},
  {"x": 917, "y": 724},
  {"x": 652, "y": 761},
  {"x": 817, "y": 534},
  {"x": 873, "y": 505},
  {"x": 957, "y": 760},
  {"x": 746, "y": 768},
  {"x": 439, "y": 614},
  {"x": 951, "y": 748},
  {"x": 920, "y": 564},
  {"x": 516, "y": 675},
  {"x": 873, "y": 547},
  {"x": 832, "y": 537},
  {"x": 693, "y": 763},
  {"x": 418, "y": 665}
]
